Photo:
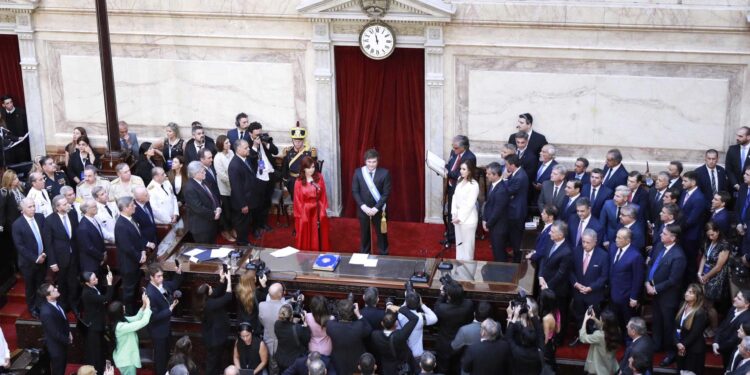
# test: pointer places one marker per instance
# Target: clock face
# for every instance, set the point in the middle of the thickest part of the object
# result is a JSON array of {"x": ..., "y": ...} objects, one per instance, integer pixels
[{"x": 377, "y": 41}]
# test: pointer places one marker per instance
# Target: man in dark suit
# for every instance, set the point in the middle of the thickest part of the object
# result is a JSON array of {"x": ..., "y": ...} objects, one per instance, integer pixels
[
  {"x": 535, "y": 140},
  {"x": 262, "y": 151},
  {"x": 719, "y": 213},
  {"x": 610, "y": 216},
  {"x": 348, "y": 334},
  {"x": 491, "y": 355},
  {"x": 90, "y": 239},
  {"x": 572, "y": 194},
  {"x": 675, "y": 169},
  {"x": 596, "y": 192},
  {"x": 742, "y": 367},
  {"x": 554, "y": 271},
  {"x": 163, "y": 300},
  {"x": 547, "y": 162},
  {"x": 712, "y": 178},
  {"x": 493, "y": 215},
  {"x": 579, "y": 172},
  {"x": 206, "y": 157},
  {"x": 694, "y": 208},
  {"x": 371, "y": 187},
  {"x": 589, "y": 276},
  {"x": 56, "y": 329},
  {"x": 614, "y": 172},
  {"x": 626, "y": 277},
  {"x": 640, "y": 343},
  {"x": 655, "y": 198},
  {"x": 198, "y": 142},
  {"x": 390, "y": 342},
  {"x": 514, "y": 184},
  {"x": 737, "y": 156},
  {"x": 27, "y": 237},
  {"x": 453, "y": 312},
  {"x": 244, "y": 198},
  {"x": 202, "y": 206},
  {"x": 629, "y": 219},
  {"x": 581, "y": 221},
  {"x": 94, "y": 317},
  {"x": 241, "y": 123},
  {"x": 144, "y": 216},
  {"x": 529, "y": 161},
  {"x": 638, "y": 194},
  {"x": 59, "y": 240},
  {"x": 668, "y": 215},
  {"x": 459, "y": 153},
  {"x": 666, "y": 269},
  {"x": 553, "y": 190},
  {"x": 16, "y": 122},
  {"x": 543, "y": 242},
  {"x": 131, "y": 252},
  {"x": 726, "y": 339},
  {"x": 371, "y": 312}
]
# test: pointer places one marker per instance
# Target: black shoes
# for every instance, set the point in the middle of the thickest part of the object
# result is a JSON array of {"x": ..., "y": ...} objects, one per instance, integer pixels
[{"x": 667, "y": 361}]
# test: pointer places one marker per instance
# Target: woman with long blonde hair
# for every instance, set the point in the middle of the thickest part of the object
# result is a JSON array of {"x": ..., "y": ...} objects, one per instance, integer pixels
[
  {"x": 691, "y": 321},
  {"x": 249, "y": 295},
  {"x": 11, "y": 194}
]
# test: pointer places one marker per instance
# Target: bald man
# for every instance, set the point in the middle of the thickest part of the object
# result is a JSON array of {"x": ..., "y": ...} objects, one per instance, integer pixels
[{"x": 268, "y": 312}]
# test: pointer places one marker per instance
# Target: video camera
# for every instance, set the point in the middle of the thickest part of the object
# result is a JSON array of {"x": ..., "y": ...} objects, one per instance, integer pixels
[
  {"x": 520, "y": 300},
  {"x": 446, "y": 279},
  {"x": 259, "y": 267},
  {"x": 266, "y": 138},
  {"x": 296, "y": 302}
]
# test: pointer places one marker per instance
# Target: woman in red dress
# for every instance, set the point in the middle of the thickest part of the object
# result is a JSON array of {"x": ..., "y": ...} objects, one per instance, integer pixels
[{"x": 310, "y": 205}]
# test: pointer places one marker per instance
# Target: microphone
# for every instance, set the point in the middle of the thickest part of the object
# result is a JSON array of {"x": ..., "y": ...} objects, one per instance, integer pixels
[{"x": 176, "y": 294}]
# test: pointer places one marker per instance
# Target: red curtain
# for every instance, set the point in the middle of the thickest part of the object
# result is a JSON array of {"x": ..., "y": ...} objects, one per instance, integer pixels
[
  {"x": 11, "y": 82},
  {"x": 381, "y": 106}
]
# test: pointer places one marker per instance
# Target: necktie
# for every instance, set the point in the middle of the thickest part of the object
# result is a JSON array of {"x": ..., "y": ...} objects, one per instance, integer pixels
[
  {"x": 66, "y": 225},
  {"x": 554, "y": 193},
  {"x": 208, "y": 170},
  {"x": 593, "y": 195},
  {"x": 99, "y": 227},
  {"x": 61, "y": 311},
  {"x": 372, "y": 176},
  {"x": 44, "y": 195},
  {"x": 135, "y": 225},
  {"x": 579, "y": 232},
  {"x": 736, "y": 359},
  {"x": 586, "y": 260},
  {"x": 165, "y": 190},
  {"x": 687, "y": 196},
  {"x": 457, "y": 163},
  {"x": 619, "y": 254},
  {"x": 658, "y": 196},
  {"x": 656, "y": 265},
  {"x": 617, "y": 216},
  {"x": 714, "y": 189},
  {"x": 609, "y": 173},
  {"x": 148, "y": 213},
  {"x": 518, "y": 152},
  {"x": 109, "y": 211},
  {"x": 37, "y": 237},
  {"x": 743, "y": 150},
  {"x": 210, "y": 195},
  {"x": 242, "y": 134},
  {"x": 540, "y": 172},
  {"x": 552, "y": 250}
]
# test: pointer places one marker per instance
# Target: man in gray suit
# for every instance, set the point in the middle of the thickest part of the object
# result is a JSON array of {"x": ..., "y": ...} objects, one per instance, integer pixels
[
  {"x": 268, "y": 313},
  {"x": 469, "y": 334},
  {"x": 128, "y": 140},
  {"x": 553, "y": 190}
]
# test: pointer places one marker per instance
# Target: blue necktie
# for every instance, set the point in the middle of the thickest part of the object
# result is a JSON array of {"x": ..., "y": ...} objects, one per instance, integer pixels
[
  {"x": 37, "y": 237},
  {"x": 742, "y": 158},
  {"x": 656, "y": 265},
  {"x": 747, "y": 203}
]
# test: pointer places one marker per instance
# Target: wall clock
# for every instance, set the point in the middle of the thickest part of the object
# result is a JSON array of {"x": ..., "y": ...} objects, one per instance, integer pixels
[{"x": 377, "y": 40}]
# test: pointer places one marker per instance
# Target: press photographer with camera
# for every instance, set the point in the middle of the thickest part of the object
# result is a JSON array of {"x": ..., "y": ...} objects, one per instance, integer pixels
[
  {"x": 391, "y": 343},
  {"x": 425, "y": 317},
  {"x": 211, "y": 308},
  {"x": 523, "y": 336},
  {"x": 452, "y": 311},
  {"x": 348, "y": 334},
  {"x": 292, "y": 337},
  {"x": 268, "y": 313},
  {"x": 262, "y": 164}
]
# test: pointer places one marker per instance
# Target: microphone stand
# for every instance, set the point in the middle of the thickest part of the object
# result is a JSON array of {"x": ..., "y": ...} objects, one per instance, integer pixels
[
  {"x": 317, "y": 210},
  {"x": 443, "y": 265}
]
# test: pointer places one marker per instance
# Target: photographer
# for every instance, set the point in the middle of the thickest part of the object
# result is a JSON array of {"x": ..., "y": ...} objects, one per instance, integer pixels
[
  {"x": 262, "y": 164},
  {"x": 94, "y": 317},
  {"x": 211, "y": 308},
  {"x": 452, "y": 311},
  {"x": 603, "y": 337},
  {"x": 391, "y": 344},
  {"x": 523, "y": 337},
  {"x": 292, "y": 338},
  {"x": 268, "y": 313},
  {"x": 348, "y": 335},
  {"x": 425, "y": 317}
]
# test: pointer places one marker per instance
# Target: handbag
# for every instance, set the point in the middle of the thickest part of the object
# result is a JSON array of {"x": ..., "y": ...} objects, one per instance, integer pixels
[{"x": 403, "y": 368}]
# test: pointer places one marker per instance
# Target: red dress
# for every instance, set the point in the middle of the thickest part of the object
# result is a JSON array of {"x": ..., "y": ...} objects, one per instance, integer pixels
[{"x": 306, "y": 209}]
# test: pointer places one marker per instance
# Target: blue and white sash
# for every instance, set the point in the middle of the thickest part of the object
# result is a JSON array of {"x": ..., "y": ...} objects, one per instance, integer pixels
[{"x": 371, "y": 185}]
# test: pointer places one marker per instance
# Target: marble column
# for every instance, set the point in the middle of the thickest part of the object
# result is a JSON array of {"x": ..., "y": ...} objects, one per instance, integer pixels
[
  {"x": 31, "y": 90},
  {"x": 434, "y": 127},
  {"x": 325, "y": 115}
]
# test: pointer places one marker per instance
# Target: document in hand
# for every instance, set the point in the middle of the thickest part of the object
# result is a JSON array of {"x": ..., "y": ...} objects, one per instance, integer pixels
[{"x": 436, "y": 164}]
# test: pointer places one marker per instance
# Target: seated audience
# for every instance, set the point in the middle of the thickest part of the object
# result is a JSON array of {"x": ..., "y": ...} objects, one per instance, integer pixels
[{"x": 250, "y": 352}]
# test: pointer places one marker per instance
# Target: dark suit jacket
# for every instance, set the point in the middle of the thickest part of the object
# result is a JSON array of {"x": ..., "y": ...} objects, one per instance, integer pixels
[
  {"x": 211, "y": 181},
  {"x": 726, "y": 333},
  {"x": 545, "y": 196},
  {"x": 451, "y": 317},
  {"x": 693, "y": 213},
  {"x": 90, "y": 245},
  {"x": 270, "y": 151},
  {"x": 129, "y": 243},
  {"x": 200, "y": 207},
  {"x": 75, "y": 166},
  {"x": 603, "y": 194},
  {"x": 517, "y": 189},
  {"x": 609, "y": 219},
  {"x": 733, "y": 165},
  {"x": 215, "y": 323},
  {"x": 619, "y": 177},
  {"x": 585, "y": 179},
  {"x": 56, "y": 329},
  {"x": 487, "y": 358},
  {"x": 640, "y": 198},
  {"x": 496, "y": 205},
  {"x": 299, "y": 367},
  {"x": 654, "y": 207},
  {"x": 637, "y": 235},
  {"x": 742, "y": 370},
  {"x": 643, "y": 344},
  {"x": 569, "y": 208},
  {"x": 348, "y": 340},
  {"x": 593, "y": 223},
  {"x": 191, "y": 154},
  {"x": 373, "y": 315},
  {"x": 535, "y": 144},
  {"x": 740, "y": 203},
  {"x": 23, "y": 238},
  {"x": 61, "y": 249},
  {"x": 547, "y": 172},
  {"x": 595, "y": 277},
  {"x": 692, "y": 337},
  {"x": 95, "y": 306},
  {"x": 626, "y": 276},
  {"x": 393, "y": 350},
  {"x": 530, "y": 164},
  {"x": 455, "y": 174},
  {"x": 704, "y": 180},
  {"x": 543, "y": 242},
  {"x": 290, "y": 347},
  {"x": 526, "y": 359},
  {"x": 556, "y": 267},
  {"x": 146, "y": 223},
  {"x": 234, "y": 135},
  {"x": 668, "y": 276},
  {"x": 243, "y": 180},
  {"x": 159, "y": 327},
  {"x": 361, "y": 193},
  {"x": 723, "y": 220}
]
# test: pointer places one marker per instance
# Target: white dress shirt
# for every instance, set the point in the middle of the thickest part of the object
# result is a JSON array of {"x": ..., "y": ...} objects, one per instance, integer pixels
[{"x": 163, "y": 201}]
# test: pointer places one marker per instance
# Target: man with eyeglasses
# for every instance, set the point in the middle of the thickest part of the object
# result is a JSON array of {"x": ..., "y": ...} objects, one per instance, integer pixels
[
  {"x": 459, "y": 153},
  {"x": 56, "y": 329}
]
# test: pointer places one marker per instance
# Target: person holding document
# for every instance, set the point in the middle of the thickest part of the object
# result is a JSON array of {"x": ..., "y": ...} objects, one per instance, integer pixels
[
  {"x": 371, "y": 187},
  {"x": 310, "y": 205}
]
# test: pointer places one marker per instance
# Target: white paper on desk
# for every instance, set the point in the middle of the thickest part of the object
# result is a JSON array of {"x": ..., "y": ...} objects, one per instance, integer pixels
[
  {"x": 436, "y": 163},
  {"x": 372, "y": 262},
  {"x": 358, "y": 258},
  {"x": 193, "y": 252},
  {"x": 287, "y": 251},
  {"x": 221, "y": 252},
  {"x": 194, "y": 260}
]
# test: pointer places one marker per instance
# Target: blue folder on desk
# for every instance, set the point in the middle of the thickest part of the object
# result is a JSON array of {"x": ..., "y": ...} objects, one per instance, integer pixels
[
  {"x": 326, "y": 262},
  {"x": 203, "y": 256}
]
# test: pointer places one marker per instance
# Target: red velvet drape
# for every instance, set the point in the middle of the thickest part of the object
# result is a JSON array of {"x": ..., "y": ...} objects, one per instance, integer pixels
[
  {"x": 381, "y": 106},
  {"x": 11, "y": 82}
]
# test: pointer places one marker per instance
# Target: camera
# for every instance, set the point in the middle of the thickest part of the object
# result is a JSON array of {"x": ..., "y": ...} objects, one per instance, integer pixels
[
  {"x": 520, "y": 300},
  {"x": 296, "y": 302},
  {"x": 259, "y": 267},
  {"x": 446, "y": 279},
  {"x": 409, "y": 286},
  {"x": 266, "y": 138}
]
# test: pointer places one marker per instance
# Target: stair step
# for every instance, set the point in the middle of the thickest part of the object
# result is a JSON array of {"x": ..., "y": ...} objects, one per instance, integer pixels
[{"x": 10, "y": 312}]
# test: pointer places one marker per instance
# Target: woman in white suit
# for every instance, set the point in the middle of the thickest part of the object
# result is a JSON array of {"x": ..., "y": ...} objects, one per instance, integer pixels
[{"x": 464, "y": 211}]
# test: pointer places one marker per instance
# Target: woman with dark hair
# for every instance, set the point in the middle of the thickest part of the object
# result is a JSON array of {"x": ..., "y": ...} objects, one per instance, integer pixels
[
  {"x": 310, "y": 205},
  {"x": 550, "y": 313},
  {"x": 71, "y": 147},
  {"x": 250, "y": 352},
  {"x": 292, "y": 338},
  {"x": 127, "y": 356},
  {"x": 177, "y": 176},
  {"x": 80, "y": 158},
  {"x": 690, "y": 321},
  {"x": 94, "y": 307},
  {"x": 183, "y": 355},
  {"x": 146, "y": 162},
  {"x": 173, "y": 145},
  {"x": 603, "y": 341},
  {"x": 317, "y": 319},
  {"x": 211, "y": 307},
  {"x": 224, "y": 155},
  {"x": 464, "y": 211},
  {"x": 523, "y": 337},
  {"x": 712, "y": 273}
]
